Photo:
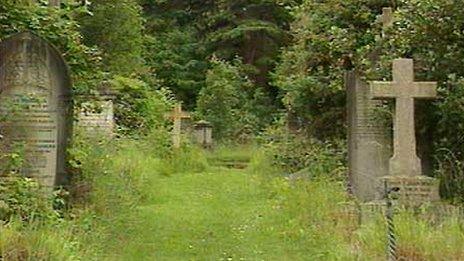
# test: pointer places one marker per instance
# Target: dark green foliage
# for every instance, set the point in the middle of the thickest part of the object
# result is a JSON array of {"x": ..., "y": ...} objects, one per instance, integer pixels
[
  {"x": 177, "y": 60},
  {"x": 138, "y": 108},
  {"x": 254, "y": 30},
  {"x": 174, "y": 49},
  {"x": 326, "y": 36},
  {"x": 116, "y": 28},
  {"x": 231, "y": 103}
]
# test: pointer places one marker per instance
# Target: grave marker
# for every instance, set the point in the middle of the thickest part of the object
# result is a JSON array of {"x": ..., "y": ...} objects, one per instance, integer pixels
[
  {"x": 405, "y": 167},
  {"x": 97, "y": 116},
  {"x": 176, "y": 116},
  {"x": 369, "y": 138},
  {"x": 404, "y": 90},
  {"x": 35, "y": 103},
  {"x": 204, "y": 134}
]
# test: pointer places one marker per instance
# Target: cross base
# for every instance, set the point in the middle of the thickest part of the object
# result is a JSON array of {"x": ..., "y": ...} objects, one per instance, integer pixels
[
  {"x": 411, "y": 164},
  {"x": 413, "y": 191}
]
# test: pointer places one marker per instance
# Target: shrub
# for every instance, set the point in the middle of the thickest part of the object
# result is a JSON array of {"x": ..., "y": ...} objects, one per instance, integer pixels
[
  {"x": 231, "y": 103},
  {"x": 292, "y": 153}
]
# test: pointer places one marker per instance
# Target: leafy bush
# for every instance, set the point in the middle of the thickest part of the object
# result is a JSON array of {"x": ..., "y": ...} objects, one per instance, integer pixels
[
  {"x": 327, "y": 36},
  {"x": 25, "y": 199},
  {"x": 139, "y": 108},
  {"x": 231, "y": 103},
  {"x": 292, "y": 153},
  {"x": 116, "y": 27}
]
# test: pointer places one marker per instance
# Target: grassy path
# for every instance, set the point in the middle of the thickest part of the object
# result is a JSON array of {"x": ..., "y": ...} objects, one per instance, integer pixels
[
  {"x": 233, "y": 214},
  {"x": 207, "y": 216}
]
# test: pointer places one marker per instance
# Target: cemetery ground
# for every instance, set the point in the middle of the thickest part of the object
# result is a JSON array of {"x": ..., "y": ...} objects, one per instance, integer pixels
[{"x": 195, "y": 205}]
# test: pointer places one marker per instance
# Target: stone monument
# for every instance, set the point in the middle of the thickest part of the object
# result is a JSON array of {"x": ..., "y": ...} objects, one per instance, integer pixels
[
  {"x": 204, "y": 134},
  {"x": 369, "y": 138},
  {"x": 35, "y": 105},
  {"x": 176, "y": 116},
  {"x": 405, "y": 168},
  {"x": 97, "y": 116}
]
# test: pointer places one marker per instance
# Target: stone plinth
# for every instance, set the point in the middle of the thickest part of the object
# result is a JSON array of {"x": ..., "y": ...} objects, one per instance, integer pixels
[{"x": 412, "y": 190}]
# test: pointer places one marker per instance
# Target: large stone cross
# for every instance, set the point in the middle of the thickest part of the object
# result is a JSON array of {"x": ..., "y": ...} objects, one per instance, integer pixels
[
  {"x": 176, "y": 116},
  {"x": 405, "y": 161}
]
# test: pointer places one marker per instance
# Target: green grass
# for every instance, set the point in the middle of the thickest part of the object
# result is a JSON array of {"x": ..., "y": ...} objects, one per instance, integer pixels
[
  {"x": 178, "y": 208},
  {"x": 224, "y": 214}
]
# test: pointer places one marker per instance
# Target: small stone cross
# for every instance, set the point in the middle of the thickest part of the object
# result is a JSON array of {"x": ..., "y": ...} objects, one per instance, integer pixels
[
  {"x": 177, "y": 115},
  {"x": 386, "y": 18},
  {"x": 405, "y": 161}
]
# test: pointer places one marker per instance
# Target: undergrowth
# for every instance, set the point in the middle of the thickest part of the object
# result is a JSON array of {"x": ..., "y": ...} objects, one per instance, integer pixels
[{"x": 140, "y": 200}]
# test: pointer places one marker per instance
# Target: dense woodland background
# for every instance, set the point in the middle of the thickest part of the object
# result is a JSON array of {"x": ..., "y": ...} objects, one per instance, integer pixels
[{"x": 258, "y": 68}]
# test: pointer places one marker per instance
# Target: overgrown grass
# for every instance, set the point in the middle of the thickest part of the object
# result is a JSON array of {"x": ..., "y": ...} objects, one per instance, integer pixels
[{"x": 144, "y": 205}]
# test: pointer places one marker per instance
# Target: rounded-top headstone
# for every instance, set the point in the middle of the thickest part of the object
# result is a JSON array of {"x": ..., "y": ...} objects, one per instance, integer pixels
[{"x": 36, "y": 106}]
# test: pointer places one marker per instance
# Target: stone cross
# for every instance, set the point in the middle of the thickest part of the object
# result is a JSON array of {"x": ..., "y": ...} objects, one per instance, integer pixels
[
  {"x": 176, "y": 116},
  {"x": 405, "y": 161},
  {"x": 387, "y": 17}
]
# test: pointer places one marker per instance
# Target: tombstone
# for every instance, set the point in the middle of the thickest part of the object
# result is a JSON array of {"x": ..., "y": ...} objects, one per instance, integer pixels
[
  {"x": 177, "y": 115},
  {"x": 405, "y": 168},
  {"x": 204, "y": 134},
  {"x": 369, "y": 138},
  {"x": 35, "y": 105},
  {"x": 97, "y": 116}
]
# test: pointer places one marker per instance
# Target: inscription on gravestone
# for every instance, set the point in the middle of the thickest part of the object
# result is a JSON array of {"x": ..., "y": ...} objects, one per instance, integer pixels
[
  {"x": 368, "y": 140},
  {"x": 35, "y": 105},
  {"x": 98, "y": 117}
]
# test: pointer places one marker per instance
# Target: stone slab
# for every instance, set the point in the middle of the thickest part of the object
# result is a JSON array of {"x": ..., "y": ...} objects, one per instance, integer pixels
[
  {"x": 369, "y": 140},
  {"x": 35, "y": 105},
  {"x": 97, "y": 117},
  {"x": 413, "y": 190}
]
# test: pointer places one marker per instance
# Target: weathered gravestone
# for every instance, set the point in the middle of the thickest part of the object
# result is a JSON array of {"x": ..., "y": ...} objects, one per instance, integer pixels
[
  {"x": 97, "y": 116},
  {"x": 369, "y": 138},
  {"x": 405, "y": 168},
  {"x": 35, "y": 105},
  {"x": 204, "y": 134},
  {"x": 177, "y": 115}
]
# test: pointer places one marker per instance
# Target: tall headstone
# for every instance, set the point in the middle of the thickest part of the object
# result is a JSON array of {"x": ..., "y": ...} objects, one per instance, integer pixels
[
  {"x": 369, "y": 138},
  {"x": 405, "y": 169},
  {"x": 35, "y": 105},
  {"x": 177, "y": 116}
]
